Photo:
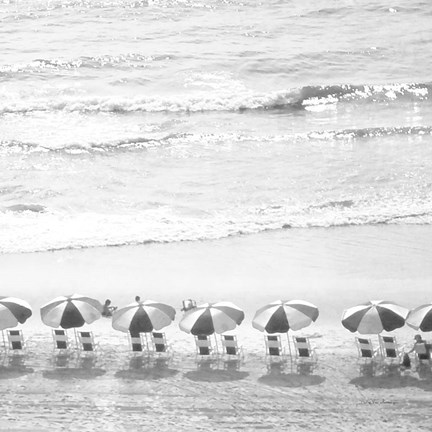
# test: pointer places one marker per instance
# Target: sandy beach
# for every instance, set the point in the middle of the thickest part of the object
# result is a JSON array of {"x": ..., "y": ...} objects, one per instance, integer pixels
[
  {"x": 230, "y": 150},
  {"x": 333, "y": 268}
]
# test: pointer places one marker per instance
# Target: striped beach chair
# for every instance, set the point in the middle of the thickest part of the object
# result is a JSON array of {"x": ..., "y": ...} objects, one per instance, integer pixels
[
  {"x": 275, "y": 352},
  {"x": 16, "y": 342},
  {"x": 304, "y": 353},
  {"x": 160, "y": 347},
  {"x": 366, "y": 351},
  {"x": 390, "y": 351},
  {"x": 422, "y": 353},
  {"x": 137, "y": 345},
  {"x": 87, "y": 347},
  {"x": 61, "y": 343},
  {"x": 230, "y": 346},
  {"x": 205, "y": 351}
]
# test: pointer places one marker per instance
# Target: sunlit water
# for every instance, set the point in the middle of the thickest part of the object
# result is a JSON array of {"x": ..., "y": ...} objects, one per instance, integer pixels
[{"x": 127, "y": 122}]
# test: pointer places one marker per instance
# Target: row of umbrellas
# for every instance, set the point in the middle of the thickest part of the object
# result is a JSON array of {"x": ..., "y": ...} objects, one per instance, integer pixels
[{"x": 277, "y": 317}]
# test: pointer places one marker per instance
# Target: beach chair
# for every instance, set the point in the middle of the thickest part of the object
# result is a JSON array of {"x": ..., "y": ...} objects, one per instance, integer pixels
[
  {"x": 16, "y": 343},
  {"x": 61, "y": 342},
  {"x": 230, "y": 347},
  {"x": 390, "y": 352},
  {"x": 303, "y": 351},
  {"x": 87, "y": 347},
  {"x": 274, "y": 350},
  {"x": 366, "y": 351},
  {"x": 232, "y": 354},
  {"x": 160, "y": 346},
  {"x": 204, "y": 348},
  {"x": 137, "y": 345},
  {"x": 422, "y": 353}
]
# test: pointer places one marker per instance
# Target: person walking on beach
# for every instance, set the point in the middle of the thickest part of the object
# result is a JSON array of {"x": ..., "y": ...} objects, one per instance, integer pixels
[{"x": 107, "y": 309}]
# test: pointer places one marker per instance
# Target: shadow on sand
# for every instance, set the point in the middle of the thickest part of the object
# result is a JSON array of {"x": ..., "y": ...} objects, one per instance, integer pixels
[
  {"x": 209, "y": 372},
  {"x": 393, "y": 377},
  {"x": 141, "y": 369},
  {"x": 303, "y": 378},
  {"x": 85, "y": 369},
  {"x": 15, "y": 368}
]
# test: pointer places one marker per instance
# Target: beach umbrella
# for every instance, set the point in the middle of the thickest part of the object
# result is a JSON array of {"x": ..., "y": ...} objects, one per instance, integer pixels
[
  {"x": 71, "y": 311},
  {"x": 281, "y": 316},
  {"x": 420, "y": 318},
  {"x": 374, "y": 316},
  {"x": 143, "y": 317},
  {"x": 13, "y": 311},
  {"x": 210, "y": 318}
]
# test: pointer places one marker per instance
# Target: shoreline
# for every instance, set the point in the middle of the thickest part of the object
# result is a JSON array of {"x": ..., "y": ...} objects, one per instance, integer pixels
[
  {"x": 348, "y": 265},
  {"x": 332, "y": 268}
]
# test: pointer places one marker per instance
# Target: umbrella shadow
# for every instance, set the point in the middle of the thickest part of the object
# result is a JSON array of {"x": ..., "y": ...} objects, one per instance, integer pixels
[
  {"x": 368, "y": 369},
  {"x": 279, "y": 378},
  {"x": 209, "y": 372},
  {"x": 390, "y": 378},
  {"x": 143, "y": 369},
  {"x": 385, "y": 382},
  {"x": 85, "y": 369},
  {"x": 395, "y": 377},
  {"x": 15, "y": 368}
]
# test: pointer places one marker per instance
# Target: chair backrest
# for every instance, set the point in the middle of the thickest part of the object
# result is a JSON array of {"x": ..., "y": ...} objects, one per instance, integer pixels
[
  {"x": 136, "y": 342},
  {"x": 273, "y": 345},
  {"x": 302, "y": 346},
  {"x": 364, "y": 347},
  {"x": 389, "y": 348},
  {"x": 203, "y": 345},
  {"x": 229, "y": 344},
  {"x": 86, "y": 341},
  {"x": 159, "y": 342},
  {"x": 60, "y": 338},
  {"x": 422, "y": 351},
  {"x": 16, "y": 340}
]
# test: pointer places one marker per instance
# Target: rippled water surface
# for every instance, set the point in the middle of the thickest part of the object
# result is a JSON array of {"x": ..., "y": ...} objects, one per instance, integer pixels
[{"x": 126, "y": 122}]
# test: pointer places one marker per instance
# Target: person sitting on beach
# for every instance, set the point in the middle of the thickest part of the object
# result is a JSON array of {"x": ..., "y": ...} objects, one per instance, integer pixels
[
  {"x": 188, "y": 305},
  {"x": 107, "y": 309}
]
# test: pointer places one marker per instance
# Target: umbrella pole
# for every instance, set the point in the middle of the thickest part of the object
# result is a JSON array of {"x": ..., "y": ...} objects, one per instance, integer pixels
[
  {"x": 216, "y": 345},
  {"x": 4, "y": 341},
  {"x": 147, "y": 344},
  {"x": 289, "y": 347},
  {"x": 76, "y": 338},
  {"x": 217, "y": 350}
]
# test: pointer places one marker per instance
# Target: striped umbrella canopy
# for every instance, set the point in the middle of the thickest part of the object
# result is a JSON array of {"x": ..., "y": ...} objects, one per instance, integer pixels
[
  {"x": 374, "y": 316},
  {"x": 13, "y": 311},
  {"x": 281, "y": 316},
  {"x": 143, "y": 317},
  {"x": 71, "y": 311},
  {"x": 420, "y": 318},
  {"x": 210, "y": 318}
]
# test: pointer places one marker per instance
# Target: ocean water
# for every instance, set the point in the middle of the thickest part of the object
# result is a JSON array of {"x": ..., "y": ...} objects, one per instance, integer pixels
[{"x": 128, "y": 122}]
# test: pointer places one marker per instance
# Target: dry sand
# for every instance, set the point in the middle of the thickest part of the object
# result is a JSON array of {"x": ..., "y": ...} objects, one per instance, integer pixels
[{"x": 333, "y": 268}]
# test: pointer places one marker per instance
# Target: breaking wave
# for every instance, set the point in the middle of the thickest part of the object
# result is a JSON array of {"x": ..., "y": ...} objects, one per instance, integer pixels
[
  {"x": 142, "y": 142},
  {"x": 308, "y": 97},
  {"x": 58, "y": 230}
]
